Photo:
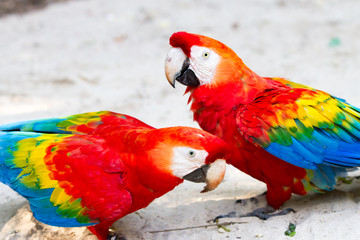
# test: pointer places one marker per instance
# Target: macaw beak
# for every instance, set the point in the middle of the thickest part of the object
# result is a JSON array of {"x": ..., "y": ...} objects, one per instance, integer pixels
[
  {"x": 212, "y": 174},
  {"x": 177, "y": 69}
]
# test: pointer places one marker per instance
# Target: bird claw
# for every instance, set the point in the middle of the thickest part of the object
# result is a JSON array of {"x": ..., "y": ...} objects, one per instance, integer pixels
[
  {"x": 244, "y": 208},
  {"x": 263, "y": 213},
  {"x": 229, "y": 215},
  {"x": 267, "y": 212}
]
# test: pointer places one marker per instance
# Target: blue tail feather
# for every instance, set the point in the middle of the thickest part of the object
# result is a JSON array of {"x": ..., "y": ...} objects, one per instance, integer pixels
[
  {"x": 43, "y": 126},
  {"x": 324, "y": 177},
  {"x": 51, "y": 217}
]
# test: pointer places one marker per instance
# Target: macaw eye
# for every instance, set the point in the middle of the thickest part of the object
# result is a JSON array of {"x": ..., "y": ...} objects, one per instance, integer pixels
[
  {"x": 191, "y": 153},
  {"x": 206, "y": 54}
]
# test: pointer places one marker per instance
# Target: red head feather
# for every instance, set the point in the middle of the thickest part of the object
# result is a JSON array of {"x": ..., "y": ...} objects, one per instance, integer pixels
[{"x": 184, "y": 41}]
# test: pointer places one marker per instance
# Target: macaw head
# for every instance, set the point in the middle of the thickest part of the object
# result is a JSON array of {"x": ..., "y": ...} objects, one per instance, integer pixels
[
  {"x": 191, "y": 154},
  {"x": 196, "y": 60}
]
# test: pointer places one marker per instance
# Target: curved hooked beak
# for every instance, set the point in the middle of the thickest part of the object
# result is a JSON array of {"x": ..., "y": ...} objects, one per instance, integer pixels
[
  {"x": 177, "y": 68},
  {"x": 212, "y": 174}
]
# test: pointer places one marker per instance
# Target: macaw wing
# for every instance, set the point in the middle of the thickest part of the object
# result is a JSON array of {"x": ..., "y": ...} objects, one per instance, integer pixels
[
  {"x": 298, "y": 85},
  {"x": 69, "y": 180},
  {"x": 85, "y": 123},
  {"x": 303, "y": 127}
]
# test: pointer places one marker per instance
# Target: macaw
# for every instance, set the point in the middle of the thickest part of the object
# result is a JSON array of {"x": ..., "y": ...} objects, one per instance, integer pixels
[
  {"x": 292, "y": 137},
  {"x": 92, "y": 169}
]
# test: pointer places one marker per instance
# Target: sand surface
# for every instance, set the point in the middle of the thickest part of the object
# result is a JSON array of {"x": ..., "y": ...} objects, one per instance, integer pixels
[{"x": 81, "y": 56}]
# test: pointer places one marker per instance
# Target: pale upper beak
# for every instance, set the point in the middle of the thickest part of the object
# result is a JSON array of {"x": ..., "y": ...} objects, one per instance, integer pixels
[
  {"x": 177, "y": 69},
  {"x": 173, "y": 64},
  {"x": 212, "y": 174}
]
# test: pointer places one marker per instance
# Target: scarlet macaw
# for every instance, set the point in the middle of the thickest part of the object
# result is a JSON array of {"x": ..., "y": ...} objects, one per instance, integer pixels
[
  {"x": 292, "y": 137},
  {"x": 92, "y": 169}
]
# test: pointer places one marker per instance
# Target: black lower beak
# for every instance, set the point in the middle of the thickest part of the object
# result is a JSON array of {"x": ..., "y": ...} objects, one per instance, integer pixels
[
  {"x": 186, "y": 76},
  {"x": 198, "y": 175}
]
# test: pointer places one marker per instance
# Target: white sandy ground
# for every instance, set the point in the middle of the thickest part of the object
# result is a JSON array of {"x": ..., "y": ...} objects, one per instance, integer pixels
[{"x": 95, "y": 55}]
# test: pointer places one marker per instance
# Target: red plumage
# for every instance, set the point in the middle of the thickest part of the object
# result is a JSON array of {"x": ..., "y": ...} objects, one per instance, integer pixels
[
  {"x": 95, "y": 168},
  {"x": 246, "y": 156},
  {"x": 239, "y": 106}
]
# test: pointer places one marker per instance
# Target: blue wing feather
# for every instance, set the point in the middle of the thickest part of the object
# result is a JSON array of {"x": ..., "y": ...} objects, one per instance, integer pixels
[
  {"x": 320, "y": 150},
  {"x": 8, "y": 173},
  {"x": 51, "y": 217},
  {"x": 39, "y": 199}
]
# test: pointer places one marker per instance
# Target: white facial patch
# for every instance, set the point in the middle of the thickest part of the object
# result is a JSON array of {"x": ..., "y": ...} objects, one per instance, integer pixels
[
  {"x": 203, "y": 62},
  {"x": 186, "y": 160}
]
